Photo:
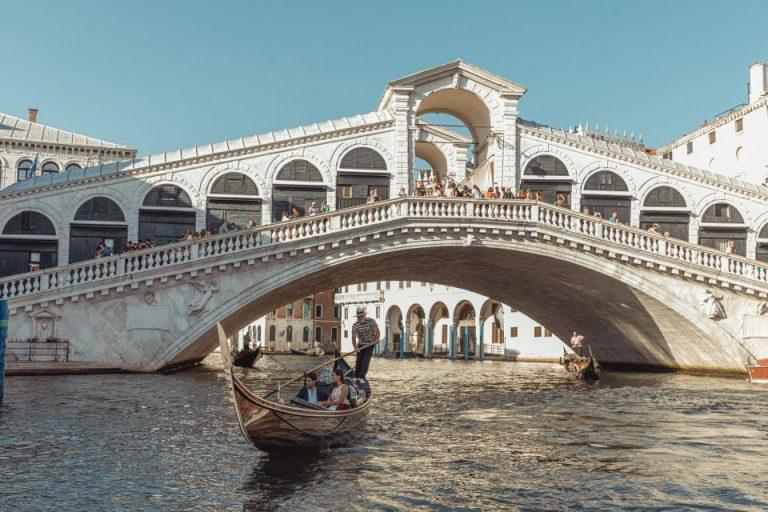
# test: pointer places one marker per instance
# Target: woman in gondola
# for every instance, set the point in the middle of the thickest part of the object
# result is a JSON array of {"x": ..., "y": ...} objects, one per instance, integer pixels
[{"x": 338, "y": 400}]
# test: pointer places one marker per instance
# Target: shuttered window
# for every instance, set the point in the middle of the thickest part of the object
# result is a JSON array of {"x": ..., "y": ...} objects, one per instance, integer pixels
[
  {"x": 168, "y": 196},
  {"x": 29, "y": 223},
  {"x": 664, "y": 196},
  {"x": 606, "y": 181},
  {"x": 722, "y": 213},
  {"x": 546, "y": 165},
  {"x": 235, "y": 183},
  {"x": 100, "y": 209},
  {"x": 299, "y": 170},
  {"x": 363, "y": 158}
]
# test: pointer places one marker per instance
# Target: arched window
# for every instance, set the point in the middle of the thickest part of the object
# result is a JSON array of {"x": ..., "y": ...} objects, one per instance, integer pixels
[
  {"x": 73, "y": 167},
  {"x": 722, "y": 228},
  {"x": 168, "y": 196},
  {"x": 606, "y": 181},
  {"x": 235, "y": 183},
  {"x": 29, "y": 244},
  {"x": 234, "y": 198},
  {"x": 50, "y": 168},
  {"x": 666, "y": 207},
  {"x": 305, "y": 335},
  {"x": 29, "y": 223},
  {"x": 23, "y": 170},
  {"x": 289, "y": 333},
  {"x": 258, "y": 333},
  {"x": 722, "y": 213},
  {"x": 100, "y": 209},
  {"x": 664, "y": 197},
  {"x": 545, "y": 165},
  {"x": 363, "y": 158},
  {"x": 272, "y": 333},
  {"x": 299, "y": 170}
]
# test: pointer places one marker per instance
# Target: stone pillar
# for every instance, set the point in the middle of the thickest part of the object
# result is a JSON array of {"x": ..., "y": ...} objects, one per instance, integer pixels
[
  {"x": 404, "y": 338},
  {"x": 466, "y": 342},
  {"x": 404, "y": 141},
  {"x": 507, "y": 173}
]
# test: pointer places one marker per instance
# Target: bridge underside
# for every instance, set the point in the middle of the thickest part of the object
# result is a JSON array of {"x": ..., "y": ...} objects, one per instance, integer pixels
[{"x": 623, "y": 325}]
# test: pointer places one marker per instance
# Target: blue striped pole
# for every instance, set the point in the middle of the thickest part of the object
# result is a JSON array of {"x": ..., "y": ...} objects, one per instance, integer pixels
[
  {"x": 452, "y": 347},
  {"x": 428, "y": 351},
  {"x": 3, "y": 332},
  {"x": 466, "y": 343},
  {"x": 480, "y": 343},
  {"x": 386, "y": 338}
]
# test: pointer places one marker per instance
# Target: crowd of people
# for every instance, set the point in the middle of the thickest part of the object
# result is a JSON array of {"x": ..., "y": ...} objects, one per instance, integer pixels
[{"x": 424, "y": 189}]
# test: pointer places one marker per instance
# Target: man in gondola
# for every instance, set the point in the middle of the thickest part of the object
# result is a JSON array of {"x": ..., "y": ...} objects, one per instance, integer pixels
[
  {"x": 310, "y": 392},
  {"x": 365, "y": 332}
]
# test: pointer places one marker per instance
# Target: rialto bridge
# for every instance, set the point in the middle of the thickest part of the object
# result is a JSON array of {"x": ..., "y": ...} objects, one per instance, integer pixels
[{"x": 641, "y": 298}]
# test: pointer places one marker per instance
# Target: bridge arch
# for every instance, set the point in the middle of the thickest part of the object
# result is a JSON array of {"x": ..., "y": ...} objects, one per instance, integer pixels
[
  {"x": 549, "y": 174},
  {"x": 393, "y": 329},
  {"x": 439, "y": 324},
  {"x": 465, "y": 321}
]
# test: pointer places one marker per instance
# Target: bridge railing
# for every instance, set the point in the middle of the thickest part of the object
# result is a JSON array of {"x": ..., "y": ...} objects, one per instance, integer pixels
[{"x": 133, "y": 265}]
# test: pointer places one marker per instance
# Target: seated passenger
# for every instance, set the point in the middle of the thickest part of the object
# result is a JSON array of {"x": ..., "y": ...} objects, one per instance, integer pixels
[
  {"x": 338, "y": 400},
  {"x": 310, "y": 392}
]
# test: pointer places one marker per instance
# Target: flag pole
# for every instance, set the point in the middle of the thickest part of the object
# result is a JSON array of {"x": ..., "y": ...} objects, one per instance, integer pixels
[{"x": 3, "y": 331}]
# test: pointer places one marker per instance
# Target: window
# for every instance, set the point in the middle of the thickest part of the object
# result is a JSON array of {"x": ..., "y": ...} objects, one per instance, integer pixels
[
  {"x": 664, "y": 196},
  {"x": 689, "y": 148},
  {"x": 234, "y": 183},
  {"x": 513, "y": 332},
  {"x": 49, "y": 168},
  {"x": 738, "y": 155},
  {"x": 289, "y": 334},
  {"x": 387, "y": 285},
  {"x": 547, "y": 333},
  {"x": 346, "y": 192},
  {"x": 423, "y": 284},
  {"x": 336, "y": 312},
  {"x": 258, "y": 333},
  {"x": 363, "y": 158},
  {"x": 24, "y": 170},
  {"x": 318, "y": 334},
  {"x": 305, "y": 335},
  {"x": 334, "y": 334},
  {"x": 667, "y": 155},
  {"x": 346, "y": 333},
  {"x": 168, "y": 196},
  {"x": 73, "y": 167},
  {"x": 712, "y": 137},
  {"x": 537, "y": 331},
  {"x": 739, "y": 125},
  {"x": 364, "y": 287},
  {"x": 318, "y": 311},
  {"x": 402, "y": 284},
  {"x": 299, "y": 170},
  {"x": 378, "y": 311},
  {"x": 444, "y": 334},
  {"x": 606, "y": 181},
  {"x": 546, "y": 165},
  {"x": 289, "y": 310},
  {"x": 271, "y": 333},
  {"x": 306, "y": 310},
  {"x": 346, "y": 313},
  {"x": 407, "y": 284}
]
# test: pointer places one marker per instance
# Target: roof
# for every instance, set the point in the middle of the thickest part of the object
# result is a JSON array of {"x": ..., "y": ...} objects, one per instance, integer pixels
[
  {"x": 17, "y": 129},
  {"x": 492, "y": 80},
  {"x": 651, "y": 159},
  {"x": 243, "y": 144}
]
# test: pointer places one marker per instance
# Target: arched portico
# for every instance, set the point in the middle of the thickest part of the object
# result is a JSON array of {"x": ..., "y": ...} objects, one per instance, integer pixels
[
  {"x": 393, "y": 330},
  {"x": 415, "y": 326}
]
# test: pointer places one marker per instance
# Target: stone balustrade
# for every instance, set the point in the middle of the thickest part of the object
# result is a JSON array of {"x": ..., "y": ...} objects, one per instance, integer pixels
[{"x": 172, "y": 258}]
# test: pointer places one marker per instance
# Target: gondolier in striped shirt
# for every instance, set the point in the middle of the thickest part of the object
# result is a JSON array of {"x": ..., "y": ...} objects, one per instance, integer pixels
[{"x": 364, "y": 332}]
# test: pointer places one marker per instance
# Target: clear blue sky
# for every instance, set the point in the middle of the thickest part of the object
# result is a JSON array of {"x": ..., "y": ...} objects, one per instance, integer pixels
[{"x": 163, "y": 75}]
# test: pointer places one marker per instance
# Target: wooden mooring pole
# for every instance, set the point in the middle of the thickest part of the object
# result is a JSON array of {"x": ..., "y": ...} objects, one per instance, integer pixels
[{"x": 3, "y": 331}]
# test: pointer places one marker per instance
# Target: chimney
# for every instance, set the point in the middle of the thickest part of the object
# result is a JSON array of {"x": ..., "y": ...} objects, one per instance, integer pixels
[
  {"x": 758, "y": 81},
  {"x": 32, "y": 115}
]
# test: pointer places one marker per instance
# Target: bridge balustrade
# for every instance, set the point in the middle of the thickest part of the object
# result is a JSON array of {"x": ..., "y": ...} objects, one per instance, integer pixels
[{"x": 148, "y": 261}]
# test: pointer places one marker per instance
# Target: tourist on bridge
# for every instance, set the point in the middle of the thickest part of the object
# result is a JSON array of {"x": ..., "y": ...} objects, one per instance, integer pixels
[
  {"x": 614, "y": 218},
  {"x": 365, "y": 332},
  {"x": 310, "y": 392},
  {"x": 313, "y": 209}
]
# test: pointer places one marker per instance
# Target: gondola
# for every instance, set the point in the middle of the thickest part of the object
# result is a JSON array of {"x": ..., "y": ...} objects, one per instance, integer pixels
[
  {"x": 586, "y": 366},
  {"x": 310, "y": 353},
  {"x": 274, "y": 426},
  {"x": 246, "y": 357}
]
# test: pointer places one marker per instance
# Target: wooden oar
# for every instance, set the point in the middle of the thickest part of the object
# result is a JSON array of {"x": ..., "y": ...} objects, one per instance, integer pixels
[{"x": 282, "y": 385}]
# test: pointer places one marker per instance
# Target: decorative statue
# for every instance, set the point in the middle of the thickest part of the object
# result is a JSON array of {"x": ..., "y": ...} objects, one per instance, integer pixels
[
  {"x": 206, "y": 292},
  {"x": 762, "y": 307},
  {"x": 712, "y": 306}
]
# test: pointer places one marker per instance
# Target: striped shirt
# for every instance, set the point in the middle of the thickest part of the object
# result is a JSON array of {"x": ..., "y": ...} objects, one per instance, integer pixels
[{"x": 365, "y": 331}]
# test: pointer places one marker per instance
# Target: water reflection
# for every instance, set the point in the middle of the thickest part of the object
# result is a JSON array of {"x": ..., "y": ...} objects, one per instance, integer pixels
[{"x": 443, "y": 436}]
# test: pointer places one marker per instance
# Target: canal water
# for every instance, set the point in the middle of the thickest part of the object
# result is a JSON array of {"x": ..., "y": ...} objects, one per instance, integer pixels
[{"x": 443, "y": 436}]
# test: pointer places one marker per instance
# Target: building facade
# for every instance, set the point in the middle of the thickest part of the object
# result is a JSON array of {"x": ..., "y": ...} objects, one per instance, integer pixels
[
  {"x": 426, "y": 319},
  {"x": 734, "y": 142}
]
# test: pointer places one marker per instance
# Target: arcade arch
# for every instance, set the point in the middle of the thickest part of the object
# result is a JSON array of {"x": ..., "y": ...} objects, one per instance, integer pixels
[
  {"x": 28, "y": 242},
  {"x": 393, "y": 328},
  {"x": 761, "y": 251},
  {"x": 605, "y": 192},
  {"x": 439, "y": 326},
  {"x": 492, "y": 326},
  {"x": 298, "y": 184},
  {"x": 234, "y": 198},
  {"x": 97, "y": 220},
  {"x": 361, "y": 171},
  {"x": 722, "y": 227},
  {"x": 465, "y": 321},
  {"x": 548, "y": 176},
  {"x": 166, "y": 214},
  {"x": 665, "y": 206},
  {"x": 416, "y": 328}
]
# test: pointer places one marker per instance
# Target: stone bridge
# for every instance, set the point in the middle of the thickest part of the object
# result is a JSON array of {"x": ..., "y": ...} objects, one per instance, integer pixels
[{"x": 639, "y": 298}]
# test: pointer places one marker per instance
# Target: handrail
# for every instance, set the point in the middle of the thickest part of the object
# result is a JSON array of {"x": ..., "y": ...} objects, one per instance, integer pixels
[{"x": 136, "y": 264}]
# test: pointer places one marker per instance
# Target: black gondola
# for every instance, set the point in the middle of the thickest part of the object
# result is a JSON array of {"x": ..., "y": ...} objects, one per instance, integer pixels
[{"x": 246, "y": 357}]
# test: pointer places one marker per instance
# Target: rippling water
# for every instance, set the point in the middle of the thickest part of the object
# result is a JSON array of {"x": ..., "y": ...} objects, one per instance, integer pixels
[{"x": 443, "y": 436}]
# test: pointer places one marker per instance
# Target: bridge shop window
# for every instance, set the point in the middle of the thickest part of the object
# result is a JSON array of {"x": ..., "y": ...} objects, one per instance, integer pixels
[
  {"x": 98, "y": 220},
  {"x": 73, "y": 167},
  {"x": 234, "y": 198},
  {"x": 666, "y": 207},
  {"x": 607, "y": 192},
  {"x": 361, "y": 171},
  {"x": 298, "y": 184},
  {"x": 549, "y": 176},
  {"x": 49, "y": 168},
  {"x": 166, "y": 214},
  {"x": 761, "y": 253},
  {"x": 722, "y": 226},
  {"x": 28, "y": 242},
  {"x": 23, "y": 170}
]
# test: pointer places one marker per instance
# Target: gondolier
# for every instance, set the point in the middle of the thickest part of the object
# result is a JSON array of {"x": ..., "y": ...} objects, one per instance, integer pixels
[{"x": 364, "y": 332}]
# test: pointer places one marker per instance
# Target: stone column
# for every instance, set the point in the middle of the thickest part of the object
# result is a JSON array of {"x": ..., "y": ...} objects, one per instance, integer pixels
[
  {"x": 466, "y": 342},
  {"x": 506, "y": 166},
  {"x": 404, "y": 337},
  {"x": 404, "y": 141}
]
